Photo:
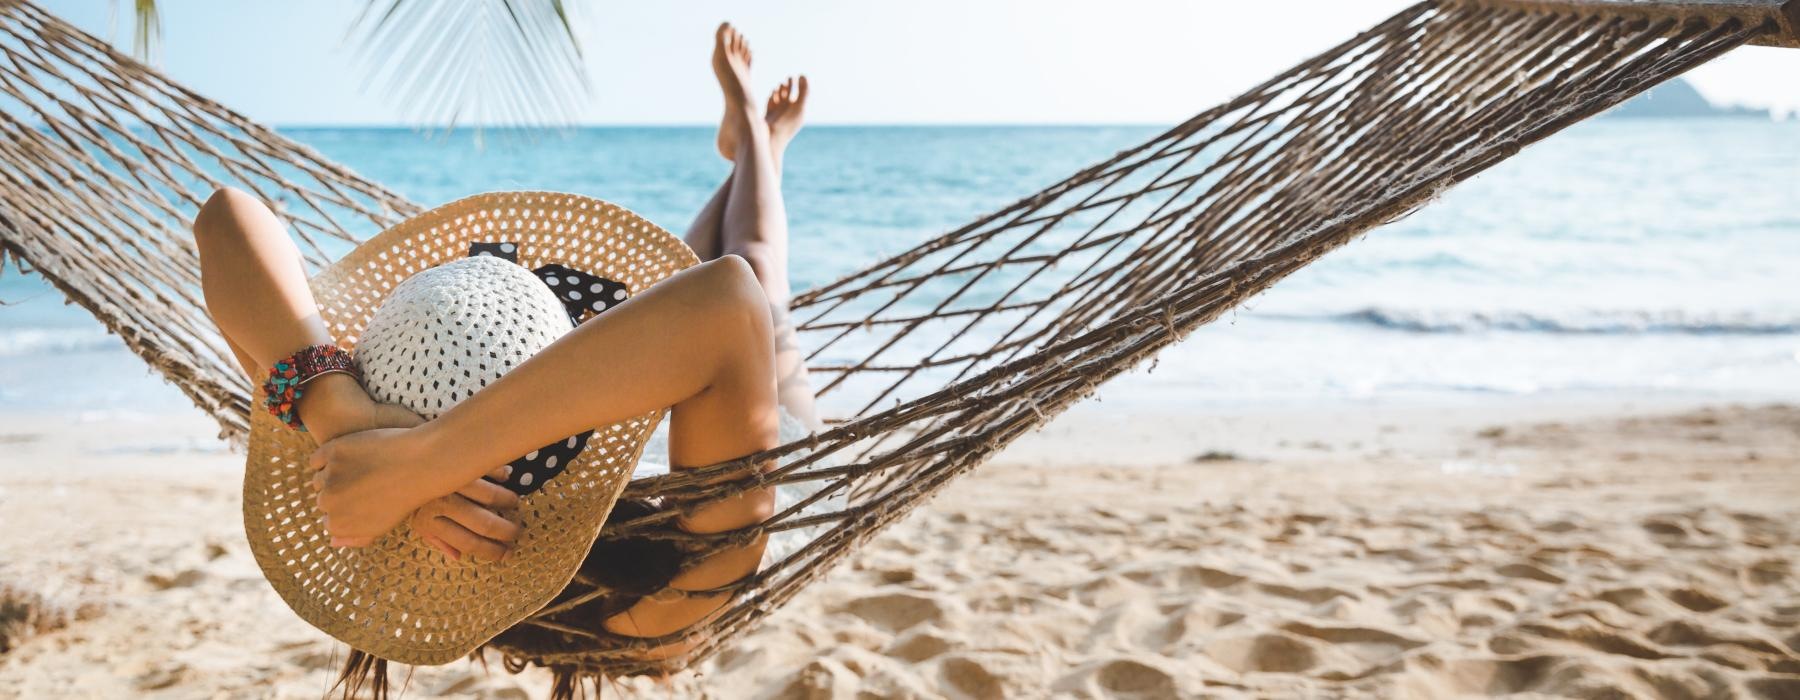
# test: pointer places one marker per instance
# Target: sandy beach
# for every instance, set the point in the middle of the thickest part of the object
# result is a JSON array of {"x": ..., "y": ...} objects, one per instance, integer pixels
[{"x": 1618, "y": 551}]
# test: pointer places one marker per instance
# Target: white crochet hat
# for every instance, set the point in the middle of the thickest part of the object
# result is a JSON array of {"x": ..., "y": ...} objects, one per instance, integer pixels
[
  {"x": 430, "y": 326},
  {"x": 448, "y": 331},
  {"x": 445, "y": 333}
]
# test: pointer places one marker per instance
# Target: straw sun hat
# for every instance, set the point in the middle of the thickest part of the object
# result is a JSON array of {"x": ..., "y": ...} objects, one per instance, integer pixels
[{"x": 494, "y": 278}]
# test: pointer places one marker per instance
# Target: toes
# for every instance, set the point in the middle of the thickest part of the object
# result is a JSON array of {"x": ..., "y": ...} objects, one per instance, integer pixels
[
  {"x": 800, "y": 89},
  {"x": 784, "y": 93}
]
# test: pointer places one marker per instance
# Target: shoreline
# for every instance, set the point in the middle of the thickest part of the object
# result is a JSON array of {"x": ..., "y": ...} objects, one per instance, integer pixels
[{"x": 1163, "y": 422}]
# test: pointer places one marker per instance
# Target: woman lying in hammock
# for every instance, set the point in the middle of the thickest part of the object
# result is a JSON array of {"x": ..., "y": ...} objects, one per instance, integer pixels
[{"x": 712, "y": 343}]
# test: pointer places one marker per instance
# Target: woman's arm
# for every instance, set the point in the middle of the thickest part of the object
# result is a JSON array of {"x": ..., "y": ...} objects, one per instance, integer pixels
[
  {"x": 699, "y": 342},
  {"x": 256, "y": 292}
]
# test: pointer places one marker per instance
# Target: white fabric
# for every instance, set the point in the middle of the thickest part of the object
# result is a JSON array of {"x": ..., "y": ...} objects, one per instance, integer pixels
[{"x": 446, "y": 332}]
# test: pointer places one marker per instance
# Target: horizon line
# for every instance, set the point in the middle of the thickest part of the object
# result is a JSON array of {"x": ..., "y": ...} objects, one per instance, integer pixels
[{"x": 700, "y": 125}]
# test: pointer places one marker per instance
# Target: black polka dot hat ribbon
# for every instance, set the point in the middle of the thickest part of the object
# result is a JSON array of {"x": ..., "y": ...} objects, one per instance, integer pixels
[{"x": 584, "y": 296}]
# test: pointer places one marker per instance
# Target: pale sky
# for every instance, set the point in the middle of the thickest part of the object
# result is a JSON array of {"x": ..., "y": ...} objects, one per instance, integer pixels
[{"x": 920, "y": 61}]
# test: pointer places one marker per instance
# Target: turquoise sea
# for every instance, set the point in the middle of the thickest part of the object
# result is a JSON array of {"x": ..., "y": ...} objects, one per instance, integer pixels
[{"x": 1641, "y": 257}]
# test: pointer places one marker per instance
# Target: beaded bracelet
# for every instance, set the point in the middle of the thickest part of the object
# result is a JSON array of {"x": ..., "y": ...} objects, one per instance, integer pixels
[{"x": 288, "y": 376}]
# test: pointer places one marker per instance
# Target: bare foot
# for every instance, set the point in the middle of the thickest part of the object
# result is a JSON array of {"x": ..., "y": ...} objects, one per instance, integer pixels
[
  {"x": 731, "y": 64},
  {"x": 785, "y": 111}
]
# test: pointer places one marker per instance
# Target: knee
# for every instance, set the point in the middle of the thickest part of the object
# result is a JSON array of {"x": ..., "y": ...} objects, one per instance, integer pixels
[
  {"x": 731, "y": 278},
  {"x": 224, "y": 212},
  {"x": 758, "y": 258},
  {"x": 731, "y": 284}
]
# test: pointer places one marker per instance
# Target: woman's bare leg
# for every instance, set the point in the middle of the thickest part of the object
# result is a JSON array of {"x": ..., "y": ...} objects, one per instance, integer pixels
[
  {"x": 699, "y": 342},
  {"x": 755, "y": 228},
  {"x": 256, "y": 291},
  {"x": 782, "y": 117},
  {"x": 703, "y": 235}
]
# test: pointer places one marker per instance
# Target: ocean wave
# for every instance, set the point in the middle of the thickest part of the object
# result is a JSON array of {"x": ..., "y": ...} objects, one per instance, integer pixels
[
  {"x": 43, "y": 341},
  {"x": 1616, "y": 322}
]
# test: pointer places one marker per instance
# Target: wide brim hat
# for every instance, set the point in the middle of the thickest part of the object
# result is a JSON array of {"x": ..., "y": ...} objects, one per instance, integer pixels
[{"x": 399, "y": 598}]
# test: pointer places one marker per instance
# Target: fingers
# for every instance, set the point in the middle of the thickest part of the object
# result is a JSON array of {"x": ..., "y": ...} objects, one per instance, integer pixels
[
  {"x": 478, "y": 520},
  {"x": 439, "y": 544},
  {"x": 489, "y": 495},
  {"x": 465, "y": 541},
  {"x": 459, "y": 527}
]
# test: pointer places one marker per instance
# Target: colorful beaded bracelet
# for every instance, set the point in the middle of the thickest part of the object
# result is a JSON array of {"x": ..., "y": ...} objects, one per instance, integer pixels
[{"x": 287, "y": 377}]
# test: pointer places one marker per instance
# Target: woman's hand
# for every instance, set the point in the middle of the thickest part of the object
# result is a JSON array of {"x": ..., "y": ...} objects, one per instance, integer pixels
[
  {"x": 471, "y": 521},
  {"x": 466, "y": 522},
  {"x": 371, "y": 480}
]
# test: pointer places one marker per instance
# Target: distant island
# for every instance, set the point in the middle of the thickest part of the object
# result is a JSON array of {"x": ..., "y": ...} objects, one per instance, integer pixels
[{"x": 1678, "y": 99}]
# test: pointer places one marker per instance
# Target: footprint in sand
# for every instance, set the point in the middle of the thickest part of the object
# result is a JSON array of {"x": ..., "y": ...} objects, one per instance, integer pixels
[
  {"x": 1368, "y": 644},
  {"x": 897, "y": 612},
  {"x": 919, "y": 645},
  {"x": 823, "y": 678},
  {"x": 1772, "y": 688},
  {"x": 1110, "y": 590},
  {"x": 1123, "y": 679},
  {"x": 1667, "y": 530},
  {"x": 1190, "y": 576},
  {"x": 1768, "y": 572},
  {"x": 1271, "y": 653},
  {"x": 970, "y": 679},
  {"x": 1696, "y": 599},
  {"x": 1683, "y": 633},
  {"x": 1314, "y": 595},
  {"x": 1526, "y": 570},
  {"x": 160, "y": 677},
  {"x": 1490, "y": 676},
  {"x": 1171, "y": 629},
  {"x": 1529, "y": 637},
  {"x": 184, "y": 579}
]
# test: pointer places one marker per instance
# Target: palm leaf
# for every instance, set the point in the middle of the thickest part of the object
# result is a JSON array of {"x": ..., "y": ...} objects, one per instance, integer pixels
[
  {"x": 488, "y": 62},
  {"x": 147, "y": 32}
]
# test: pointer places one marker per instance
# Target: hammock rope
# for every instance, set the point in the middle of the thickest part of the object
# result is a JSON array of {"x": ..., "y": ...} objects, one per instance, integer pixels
[{"x": 950, "y": 350}]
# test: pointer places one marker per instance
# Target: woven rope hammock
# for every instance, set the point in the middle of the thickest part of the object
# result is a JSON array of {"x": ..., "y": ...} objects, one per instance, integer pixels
[{"x": 103, "y": 162}]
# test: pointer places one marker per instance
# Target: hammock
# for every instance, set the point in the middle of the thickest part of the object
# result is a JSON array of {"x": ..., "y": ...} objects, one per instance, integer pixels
[{"x": 946, "y": 352}]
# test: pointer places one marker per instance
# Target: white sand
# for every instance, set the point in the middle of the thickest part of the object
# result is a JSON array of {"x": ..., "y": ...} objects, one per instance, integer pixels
[{"x": 1377, "y": 552}]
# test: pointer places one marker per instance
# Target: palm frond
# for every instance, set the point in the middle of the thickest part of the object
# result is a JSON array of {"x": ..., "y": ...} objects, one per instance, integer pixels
[
  {"x": 147, "y": 32},
  {"x": 499, "y": 63}
]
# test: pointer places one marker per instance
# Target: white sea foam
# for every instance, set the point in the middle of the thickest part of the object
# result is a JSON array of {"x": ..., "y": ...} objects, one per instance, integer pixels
[
  {"x": 48, "y": 341},
  {"x": 1584, "y": 322}
]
